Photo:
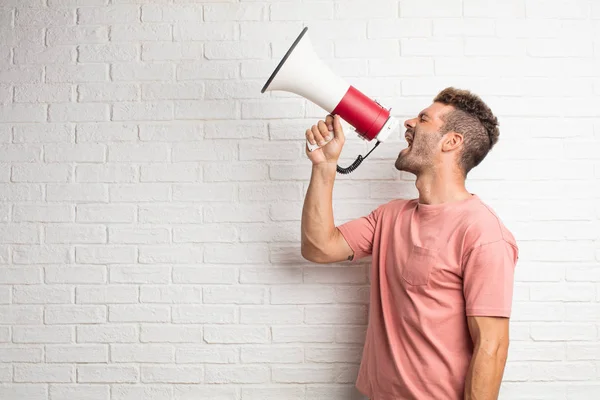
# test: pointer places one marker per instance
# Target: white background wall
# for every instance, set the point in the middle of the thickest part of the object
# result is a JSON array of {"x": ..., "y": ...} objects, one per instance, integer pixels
[{"x": 151, "y": 196}]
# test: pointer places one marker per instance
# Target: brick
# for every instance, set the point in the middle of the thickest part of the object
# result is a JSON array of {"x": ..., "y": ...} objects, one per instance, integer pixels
[
  {"x": 399, "y": 28},
  {"x": 159, "y": 294},
  {"x": 270, "y": 192},
  {"x": 140, "y": 32},
  {"x": 179, "y": 172},
  {"x": 105, "y": 213},
  {"x": 238, "y": 374},
  {"x": 79, "y": 391},
  {"x": 172, "y": 12},
  {"x": 21, "y": 354},
  {"x": 242, "y": 50},
  {"x": 171, "y": 374},
  {"x": 147, "y": 111},
  {"x": 302, "y": 334},
  {"x": 43, "y": 334},
  {"x": 204, "y": 192},
  {"x": 140, "y": 274},
  {"x": 105, "y": 254},
  {"x": 108, "y": 92},
  {"x": 140, "y": 192},
  {"x": 40, "y": 173},
  {"x": 206, "y": 31},
  {"x": 203, "y": 314},
  {"x": 77, "y": 353},
  {"x": 179, "y": 51},
  {"x": 142, "y": 353},
  {"x": 116, "y": 14},
  {"x": 270, "y": 151},
  {"x": 40, "y": 254},
  {"x": 43, "y": 133},
  {"x": 74, "y": 314},
  {"x": 37, "y": 93},
  {"x": 207, "y": 150},
  {"x": 168, "y": 91},
  {"x": 209, "y": 109},
  {"x": 512, "y": 8},
  {"x": 138, "y": 313},
  {"x": 236, "y": 253},
  {"x": 78, "y": 274},
  {"x": 35, "y": 294},
  {"x": 235, "y": 334},
  {"x": 301, "y": 295},
  {"x": 106, "y": 294},
  {"x": 170, "y": 214},
  {"x": 430, "y": 9},
  {"x": 144, "y": 152},
  {"x": 62, "y": 112},
  {"x": 44, "y": 17},
  {"x": 107, "y": 373},
  {"x": 171, "y": 131},
  {"x": 187, "y": 71},
  {"x": 236, "y": 12},
  {"x": 184, "y": 274},
  {"x": 138, "y": 235},
  {"x": 271, "y": 315},
  {"x": 77, "y": 73},
  {"x": 559, "y": 9},
  {"x": 22, "y": 113},
  {"x": 105, "y": 173},
  {"x": 46, "y": 55},
  {"x": 146, "y": 392},
  {"x": 257, "y": 30},
  {"x": 236, "y": 130},
  {"x": 20, "y": 315},
  {"x": 65, "y": 35},
  {"x": 402, "y": 66},
  {"x": 112, "y": 333},
  {"x": 81, "y": 192},
  {"x": 432, "y": 47},
  {"x": 19, "y": 152},
  {"x": 21, "y": 275},
  {"x": 44, "y": 373},
  {"x": 75, "y": 234},
  {"x": 171, "y": 334},
  {"x": 177, "y": 254},
  {"x": 143, "y": 72},
  {"x": 106, "y": 132},
  {"x": 235, "y": 172}
]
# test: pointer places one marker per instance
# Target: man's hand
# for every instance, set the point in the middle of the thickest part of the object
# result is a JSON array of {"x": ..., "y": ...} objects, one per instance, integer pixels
[{"x": 319, "y": 134}]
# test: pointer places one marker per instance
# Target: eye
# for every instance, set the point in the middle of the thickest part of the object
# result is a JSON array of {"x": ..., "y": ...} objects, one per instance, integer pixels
[{"x": 422, "y": 118}]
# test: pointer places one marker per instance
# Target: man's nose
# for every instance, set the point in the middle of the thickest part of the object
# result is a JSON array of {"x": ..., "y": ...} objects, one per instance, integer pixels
[{"x": 409, "y": 123}]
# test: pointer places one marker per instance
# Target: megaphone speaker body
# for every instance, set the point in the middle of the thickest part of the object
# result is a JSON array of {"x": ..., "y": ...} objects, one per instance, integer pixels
[{"x": 302, "y": 72}]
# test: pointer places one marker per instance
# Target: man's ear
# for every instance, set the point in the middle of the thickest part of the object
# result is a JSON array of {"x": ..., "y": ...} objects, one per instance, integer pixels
[{"x": 452, "y": 141}]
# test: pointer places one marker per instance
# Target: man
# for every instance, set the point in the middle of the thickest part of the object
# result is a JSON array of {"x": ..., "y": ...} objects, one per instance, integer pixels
[{"x": 442, "y": 268}]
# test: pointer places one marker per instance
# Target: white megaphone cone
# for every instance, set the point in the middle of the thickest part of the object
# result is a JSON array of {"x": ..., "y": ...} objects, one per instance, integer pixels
[{"x": 302, "y": 72}]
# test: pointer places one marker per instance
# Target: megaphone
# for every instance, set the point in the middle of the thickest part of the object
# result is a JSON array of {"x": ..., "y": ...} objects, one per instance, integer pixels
[{"x": 302, "y": 72}]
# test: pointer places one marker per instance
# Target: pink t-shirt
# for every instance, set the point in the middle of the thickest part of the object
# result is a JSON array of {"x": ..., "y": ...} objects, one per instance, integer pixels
[{"x": 433, "y": 265}]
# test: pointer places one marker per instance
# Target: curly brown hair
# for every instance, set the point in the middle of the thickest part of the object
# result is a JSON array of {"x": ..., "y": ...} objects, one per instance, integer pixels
[{"x": 473, "y": 119}]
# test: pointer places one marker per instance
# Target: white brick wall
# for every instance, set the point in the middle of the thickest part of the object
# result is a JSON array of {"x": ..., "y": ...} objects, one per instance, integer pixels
[{"x": 150, "y": 196}]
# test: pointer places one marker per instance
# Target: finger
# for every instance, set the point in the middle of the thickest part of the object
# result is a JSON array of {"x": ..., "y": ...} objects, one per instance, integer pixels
[
  {"x": 317, "y": 134},
  {"x": 337, "y": 128},
  {"x": 327, "y": 135},
  {"x": 329, "y": 122},
  {"x": 310, "y": 137}
]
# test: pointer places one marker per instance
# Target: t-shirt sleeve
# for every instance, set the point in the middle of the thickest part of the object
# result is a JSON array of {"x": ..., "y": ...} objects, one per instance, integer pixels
[
  {"x": 359, "y": 234},
  {"x": 488, "y": 279}
]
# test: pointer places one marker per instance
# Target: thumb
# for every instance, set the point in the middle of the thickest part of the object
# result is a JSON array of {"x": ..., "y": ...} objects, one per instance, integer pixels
[{"x": 338, "y": 132}]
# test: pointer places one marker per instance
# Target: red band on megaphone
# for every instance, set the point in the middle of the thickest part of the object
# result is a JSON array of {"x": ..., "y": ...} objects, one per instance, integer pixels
[{"x": 364, "y": 114}]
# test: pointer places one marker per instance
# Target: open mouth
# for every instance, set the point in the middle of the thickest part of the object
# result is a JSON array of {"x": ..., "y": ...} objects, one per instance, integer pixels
[{"x": 409, "y": 139}]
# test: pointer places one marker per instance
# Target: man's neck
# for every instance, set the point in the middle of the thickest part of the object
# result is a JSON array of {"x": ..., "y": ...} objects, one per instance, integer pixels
[{"x": 440, "y": 187}]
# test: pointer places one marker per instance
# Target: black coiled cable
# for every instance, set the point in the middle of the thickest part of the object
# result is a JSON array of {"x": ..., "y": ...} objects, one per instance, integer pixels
[{"x": 356, "y": 162}]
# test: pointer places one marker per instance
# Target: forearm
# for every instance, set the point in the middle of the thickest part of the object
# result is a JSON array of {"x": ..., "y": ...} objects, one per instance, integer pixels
[
  {"x": 317, "y": 213},
  {"x": 485, "y": 372}
]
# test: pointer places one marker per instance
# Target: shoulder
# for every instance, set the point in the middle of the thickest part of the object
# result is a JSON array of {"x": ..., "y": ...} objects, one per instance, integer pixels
[
  {"x": 393, "y": 207},
  {"x": 483, "y": 226}
]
